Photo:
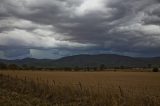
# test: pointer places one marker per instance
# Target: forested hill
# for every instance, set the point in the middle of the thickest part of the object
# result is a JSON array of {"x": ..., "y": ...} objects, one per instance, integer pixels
[{"x": 109, "y": 60}]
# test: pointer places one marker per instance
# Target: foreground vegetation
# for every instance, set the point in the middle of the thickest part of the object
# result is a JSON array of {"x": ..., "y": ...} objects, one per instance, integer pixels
[{"x": 24, "y": 90}]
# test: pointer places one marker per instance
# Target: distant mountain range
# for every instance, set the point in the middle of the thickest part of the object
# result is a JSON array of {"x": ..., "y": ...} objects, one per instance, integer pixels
[{"x": 84, "y": 60}]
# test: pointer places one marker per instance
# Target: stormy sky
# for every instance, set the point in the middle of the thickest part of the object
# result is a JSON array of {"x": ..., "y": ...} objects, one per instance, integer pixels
[{"x": 56, "y": 28}]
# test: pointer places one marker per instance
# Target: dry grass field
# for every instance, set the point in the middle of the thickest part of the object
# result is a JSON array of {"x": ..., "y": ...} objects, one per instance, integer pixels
[{"x": 83, "y": 88}]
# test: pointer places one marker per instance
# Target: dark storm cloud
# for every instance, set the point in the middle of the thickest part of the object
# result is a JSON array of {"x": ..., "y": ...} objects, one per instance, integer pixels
[
  {"x": 129, "y": 27},
  {"x": 16, "y": 53}
]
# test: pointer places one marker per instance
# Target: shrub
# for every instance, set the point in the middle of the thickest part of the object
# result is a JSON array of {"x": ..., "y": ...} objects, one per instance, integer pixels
[
  {"x": 3, "y": 66},
  {"x": 102, "y": 67},
  {"x": 155, "y": 69},
  {"x": 13, "y": 66}
]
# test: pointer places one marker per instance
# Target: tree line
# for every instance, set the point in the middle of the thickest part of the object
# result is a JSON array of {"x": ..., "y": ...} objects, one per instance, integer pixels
[
  {"x": 4, "y": 66},
  {"x": 101, "y": 67}
]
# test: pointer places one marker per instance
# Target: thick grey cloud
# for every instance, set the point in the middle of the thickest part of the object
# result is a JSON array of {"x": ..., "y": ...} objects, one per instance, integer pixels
[{"x": 55, "y": 28}]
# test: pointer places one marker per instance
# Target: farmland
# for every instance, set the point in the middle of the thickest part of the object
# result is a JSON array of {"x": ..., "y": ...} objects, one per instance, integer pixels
[{"x": 84, "y": 88}]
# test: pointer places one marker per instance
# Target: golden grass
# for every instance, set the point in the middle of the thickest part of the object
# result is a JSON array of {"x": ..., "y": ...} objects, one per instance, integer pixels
[{"x": 101, "y": 88}]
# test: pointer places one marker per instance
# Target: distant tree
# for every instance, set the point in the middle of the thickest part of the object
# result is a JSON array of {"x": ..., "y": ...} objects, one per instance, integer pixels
[
  {"x": 76, "y": 68},
  {"x": 95, "y": 68},
  {"x": 3, "y": 66},
  {"x": 13, "y": 66},
  {"x": 102, "y": 67},
  {"x": 149, "y": 65},
  {"x": 25, "y": 67},
  {"x": 32, "y": 68},
  {"x": 122, "y": 67},
  {"x": 67, "y": 69},
  {"x": 155, "y": 69},
  {"x": 87, "y": 68}
]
